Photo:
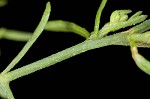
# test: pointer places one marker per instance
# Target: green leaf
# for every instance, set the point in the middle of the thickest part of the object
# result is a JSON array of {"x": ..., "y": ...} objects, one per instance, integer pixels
[
  {"x": 136, "y": 15},
  {"x": 65, "y": 26},
  {"x": 111, "y": 27},
  {"x": 137, "y": 37},
  {"x": 34, "y": 37},
  {"x": 14, "y": 35},
  {"x": 119, "y": 16},
  {"x": 98, "y": 16},
  {"x": 144, "y": 26},
  {"x": 140, "y": 61},
  {"x": 141, "y": 38}
]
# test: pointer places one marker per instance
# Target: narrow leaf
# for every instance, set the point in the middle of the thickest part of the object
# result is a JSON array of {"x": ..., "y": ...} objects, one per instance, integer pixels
[
  {"x": 14, "y": 35},
  {"x": 136, "y": 15},
  {"x": 140, "y": 61},
  {"x": 30, "y": 42},
  {"x": 114, "y": 27},
  {"x": 65, "y": 26},
  {"x": 144, "y": 26},
  {"x": 98, "y": 16},
  {"x": 141, "y": 38}
]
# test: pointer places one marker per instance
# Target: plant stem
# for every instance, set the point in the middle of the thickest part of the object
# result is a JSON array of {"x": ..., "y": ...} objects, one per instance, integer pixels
[
  {"x": 5, "y": 88},
  {"x": 115, "y": 39},
  {"x": 67, "y": 53}
]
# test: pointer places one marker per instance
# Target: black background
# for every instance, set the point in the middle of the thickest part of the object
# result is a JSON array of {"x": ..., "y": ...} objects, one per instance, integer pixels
[{"x": 91, "y": 74}]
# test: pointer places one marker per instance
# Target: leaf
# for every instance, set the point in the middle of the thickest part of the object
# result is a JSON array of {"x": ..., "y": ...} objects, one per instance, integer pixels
[
  {"x": 142, "y": 27},
  {"x": 33, "y": 38},
  {"x": 119, "y": 16},
  {"x": 140, "y": 61},
  {"x": 111, "y": 27},
  {"x": 98, "y": 16},
  {"x": 141, "y": 38},
  {"x": 14, "y": 35},
  {"x": 136, "y": 15},
  {"x": 65, "y": 26}
]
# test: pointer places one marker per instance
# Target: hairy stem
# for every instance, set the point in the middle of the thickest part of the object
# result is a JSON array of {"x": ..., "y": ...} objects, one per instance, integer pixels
[
  {"x": 5, "y": 88},
  {"x": 116, "y": 39}
]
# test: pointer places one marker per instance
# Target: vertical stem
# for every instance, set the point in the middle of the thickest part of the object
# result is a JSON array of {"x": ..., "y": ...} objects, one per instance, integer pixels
[
  {"x": 4, "y": 85},
  {"x": 8, "y": 91}
]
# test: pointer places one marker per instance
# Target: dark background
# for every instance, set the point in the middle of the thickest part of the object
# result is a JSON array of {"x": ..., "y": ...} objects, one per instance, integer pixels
[{"x": 91, "y": 74}]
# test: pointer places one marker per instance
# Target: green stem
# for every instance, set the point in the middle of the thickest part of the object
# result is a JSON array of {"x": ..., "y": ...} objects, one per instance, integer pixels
[
  {"x": 67, "y": 53},
  {"x": 5, "y": 88}
]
